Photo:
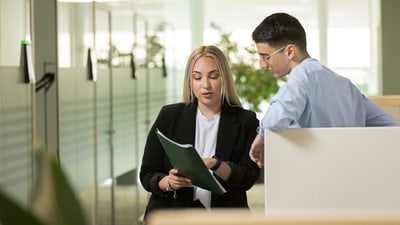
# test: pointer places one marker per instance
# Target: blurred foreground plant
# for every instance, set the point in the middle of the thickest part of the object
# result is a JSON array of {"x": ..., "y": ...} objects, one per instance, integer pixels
[{"x": 53, "y": 202}]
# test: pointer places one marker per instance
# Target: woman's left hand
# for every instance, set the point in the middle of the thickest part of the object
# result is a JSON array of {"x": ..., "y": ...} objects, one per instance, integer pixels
[{"x": 176, "y": 182}]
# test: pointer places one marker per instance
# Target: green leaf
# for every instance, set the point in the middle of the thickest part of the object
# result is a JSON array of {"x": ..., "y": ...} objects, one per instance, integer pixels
[
  {"x": 254, "y": 86},
  {"x": 13, "y": 214},
  {"x": 54, "y": 200}
]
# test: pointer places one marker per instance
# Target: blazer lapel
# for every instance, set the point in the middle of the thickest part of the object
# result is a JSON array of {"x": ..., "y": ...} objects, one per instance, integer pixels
[
  {"x": 228, "y": 129},
  {"x": 187, "y": 125}
]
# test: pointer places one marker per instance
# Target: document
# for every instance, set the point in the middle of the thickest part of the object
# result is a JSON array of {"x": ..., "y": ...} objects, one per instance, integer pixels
[{"x": 185, "y": 158}]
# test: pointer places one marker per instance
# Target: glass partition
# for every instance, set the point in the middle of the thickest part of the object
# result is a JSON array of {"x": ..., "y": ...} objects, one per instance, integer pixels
[
  {"x": 14, "y": 28},
  {"x": 16, "y": 103},
  {"x": 76, "y": 102}
]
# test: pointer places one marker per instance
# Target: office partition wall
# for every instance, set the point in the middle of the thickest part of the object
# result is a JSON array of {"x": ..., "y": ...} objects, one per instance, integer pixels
[{"x": 16, "y": 101}]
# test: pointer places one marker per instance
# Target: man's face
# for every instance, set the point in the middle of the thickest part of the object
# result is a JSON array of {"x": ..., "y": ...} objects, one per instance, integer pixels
[{"x": 275, "y": 60}]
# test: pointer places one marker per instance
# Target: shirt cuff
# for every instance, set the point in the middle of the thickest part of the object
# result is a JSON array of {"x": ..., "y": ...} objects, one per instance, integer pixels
[{"x": 260, "y": 132}]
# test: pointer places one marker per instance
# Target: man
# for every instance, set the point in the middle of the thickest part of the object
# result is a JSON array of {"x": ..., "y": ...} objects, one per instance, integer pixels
[{"x": 313, "y": 96}]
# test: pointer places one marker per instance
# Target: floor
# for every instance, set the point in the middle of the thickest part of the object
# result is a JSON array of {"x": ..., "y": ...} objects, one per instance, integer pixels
[{"x": 129, "y": 207}]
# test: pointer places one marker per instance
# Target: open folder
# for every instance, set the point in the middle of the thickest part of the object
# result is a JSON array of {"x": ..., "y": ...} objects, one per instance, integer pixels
[{"x": 185, "y": 158}]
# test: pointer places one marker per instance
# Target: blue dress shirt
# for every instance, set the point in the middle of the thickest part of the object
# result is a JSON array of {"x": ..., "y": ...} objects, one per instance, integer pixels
[{"x": 315, "y": 96}]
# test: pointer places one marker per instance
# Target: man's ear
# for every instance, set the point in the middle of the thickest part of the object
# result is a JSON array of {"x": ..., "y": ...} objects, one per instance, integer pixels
[{"x": 291, "y": 50}]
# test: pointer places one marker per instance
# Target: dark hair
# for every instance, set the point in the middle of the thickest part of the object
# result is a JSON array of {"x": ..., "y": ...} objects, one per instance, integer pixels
[{"x": 280, "y": 29}]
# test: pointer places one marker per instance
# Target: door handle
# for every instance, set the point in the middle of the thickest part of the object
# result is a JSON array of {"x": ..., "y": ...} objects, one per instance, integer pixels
[
  {"x": 133, "y": 66},
  {"x": 92, "y": 65},
  {"x": 46, "y": 81},
  {"x": 164, "y": 66},
  {"x": 29, "y": 72}
]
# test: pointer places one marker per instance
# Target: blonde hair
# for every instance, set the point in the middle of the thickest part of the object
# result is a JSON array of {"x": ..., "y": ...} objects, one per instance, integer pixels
[{"x": 228, "y": 93}]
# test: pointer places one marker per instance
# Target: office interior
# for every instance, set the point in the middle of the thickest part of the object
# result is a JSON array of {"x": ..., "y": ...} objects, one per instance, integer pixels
[{"x": 86, "y": 79}]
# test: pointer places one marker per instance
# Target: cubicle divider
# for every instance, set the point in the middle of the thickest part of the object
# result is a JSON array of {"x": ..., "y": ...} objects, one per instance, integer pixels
[
  {"x": 334, "y": 170},
  {"x": 241, "y": 217}
]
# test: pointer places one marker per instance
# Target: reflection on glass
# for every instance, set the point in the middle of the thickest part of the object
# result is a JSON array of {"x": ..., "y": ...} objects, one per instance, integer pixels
[
  {"x": 75, "y": 33},
  {"x": 14, "y": 28}
]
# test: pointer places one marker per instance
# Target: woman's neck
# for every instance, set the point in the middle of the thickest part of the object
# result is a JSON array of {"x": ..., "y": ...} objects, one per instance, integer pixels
[{"x": 208, "y": 111}]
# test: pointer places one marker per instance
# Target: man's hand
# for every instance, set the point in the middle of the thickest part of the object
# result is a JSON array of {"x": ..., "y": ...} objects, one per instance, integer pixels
[{"x": 257, "y": 151}]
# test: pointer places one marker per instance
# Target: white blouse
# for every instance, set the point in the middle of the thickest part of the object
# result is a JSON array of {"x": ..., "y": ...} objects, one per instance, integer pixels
[{"x": 205, "y": 144}]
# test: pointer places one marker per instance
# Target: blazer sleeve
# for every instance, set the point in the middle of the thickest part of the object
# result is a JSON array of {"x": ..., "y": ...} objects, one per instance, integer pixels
[
  {"x": 244, "y": 172},
  {"x": 154, "y": 162}
]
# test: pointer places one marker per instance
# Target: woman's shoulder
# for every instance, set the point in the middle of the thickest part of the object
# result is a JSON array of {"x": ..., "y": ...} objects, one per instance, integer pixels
[
  {"x": 169, "y": 112},
  {"x": 174, "y": 106},
  {"x": 243, "y": 113},
  {"x": 177, "y": 108},
  {"x": 245, "y": 117}
]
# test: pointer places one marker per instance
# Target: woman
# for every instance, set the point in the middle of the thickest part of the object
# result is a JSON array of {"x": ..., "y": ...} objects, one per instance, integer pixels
[{"x": 212, "y": 119}]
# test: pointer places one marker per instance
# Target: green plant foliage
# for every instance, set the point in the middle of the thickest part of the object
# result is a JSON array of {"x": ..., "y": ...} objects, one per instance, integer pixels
[
  {"x": 153, "y": 46},
  {"x": 13, "y": 214},
  {"x": 54, "y": 201},
  {"x": 155, "y": 51},
  {"x": 363, "y": 87},
  {"x": 254, "y": 86}
]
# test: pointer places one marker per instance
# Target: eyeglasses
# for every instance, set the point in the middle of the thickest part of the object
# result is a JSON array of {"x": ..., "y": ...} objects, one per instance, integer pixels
[{"x": 266, "y": 58}]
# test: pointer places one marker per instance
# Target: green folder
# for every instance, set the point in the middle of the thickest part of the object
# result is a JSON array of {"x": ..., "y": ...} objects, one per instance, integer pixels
[{"x": 185, "y": 158}]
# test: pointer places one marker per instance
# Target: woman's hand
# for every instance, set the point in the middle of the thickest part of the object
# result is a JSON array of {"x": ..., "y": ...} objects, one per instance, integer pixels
[
  {"x": 174, "y": 182},
  {"x": 221, "y": 169},
  {"x": 209, "y": 162}
]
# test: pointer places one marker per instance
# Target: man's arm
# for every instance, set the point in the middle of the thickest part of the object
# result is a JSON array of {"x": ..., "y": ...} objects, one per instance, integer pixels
[{"x": 377, "y": 117}]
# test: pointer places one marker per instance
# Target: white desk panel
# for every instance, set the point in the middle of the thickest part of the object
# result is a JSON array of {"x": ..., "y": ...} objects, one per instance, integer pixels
[{"x": 313, "y": 170}]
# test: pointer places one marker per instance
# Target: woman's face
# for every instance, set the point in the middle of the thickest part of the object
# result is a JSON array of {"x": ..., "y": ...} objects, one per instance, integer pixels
[{"x": 207, "y": 83}]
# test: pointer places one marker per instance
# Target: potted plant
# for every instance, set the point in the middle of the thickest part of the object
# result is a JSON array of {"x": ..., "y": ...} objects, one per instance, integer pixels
[{"x": 254, "y": 85}]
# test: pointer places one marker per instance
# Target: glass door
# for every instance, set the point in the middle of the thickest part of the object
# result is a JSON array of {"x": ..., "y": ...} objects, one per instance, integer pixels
[
  {"x": 16, "y": 101},
  {"x": 104, "y": 116},
  {"x": 77, "y": 105}
]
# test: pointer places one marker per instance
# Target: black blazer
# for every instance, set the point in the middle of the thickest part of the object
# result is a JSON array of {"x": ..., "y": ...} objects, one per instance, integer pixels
[{"x": 236, "y": 132}]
